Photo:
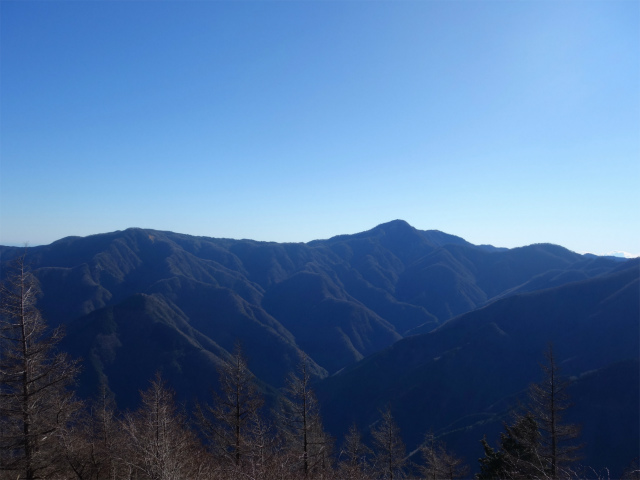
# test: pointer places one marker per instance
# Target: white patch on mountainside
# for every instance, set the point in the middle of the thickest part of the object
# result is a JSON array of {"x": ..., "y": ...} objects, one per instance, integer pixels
[
  {"x": 621, "y": 254},
  {"x": 615, "y": 253}
]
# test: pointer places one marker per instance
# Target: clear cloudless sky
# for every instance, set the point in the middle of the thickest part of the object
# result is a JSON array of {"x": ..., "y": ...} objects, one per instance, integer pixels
[{"x": 504, "y": 122}]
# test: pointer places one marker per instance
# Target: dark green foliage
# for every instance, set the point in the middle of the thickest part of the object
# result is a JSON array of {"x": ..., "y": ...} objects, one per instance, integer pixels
[
  {"x": 521, "y": 444},
  {"x": 518, "y": 455},
  {"x": 539, "y": 444},
  {"x": 492, "y": 464}
]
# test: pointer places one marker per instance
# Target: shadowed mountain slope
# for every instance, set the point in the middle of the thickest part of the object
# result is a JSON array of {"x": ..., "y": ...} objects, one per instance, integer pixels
[
  {"x": 470, "y": 370},
  {"x": 337, "y": 300}
]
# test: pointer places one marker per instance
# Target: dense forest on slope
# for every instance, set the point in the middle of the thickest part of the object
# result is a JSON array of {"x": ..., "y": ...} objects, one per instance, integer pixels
[
  {"x": 465, "y": 376},
  {"x": 447, "y": 333},
  {"x": 47, "y": 432}
]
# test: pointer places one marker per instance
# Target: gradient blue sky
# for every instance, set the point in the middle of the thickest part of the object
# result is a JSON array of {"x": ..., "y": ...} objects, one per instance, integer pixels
[{"x": 504, "y": 122}]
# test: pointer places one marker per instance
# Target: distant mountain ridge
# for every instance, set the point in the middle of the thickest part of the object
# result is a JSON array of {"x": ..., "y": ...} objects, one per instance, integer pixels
[
  {"x": 338, "y": 300},
  {"x": 385, "y": 316}
]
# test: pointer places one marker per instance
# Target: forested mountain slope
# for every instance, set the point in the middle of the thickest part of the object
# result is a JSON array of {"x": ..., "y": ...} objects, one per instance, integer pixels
[
  {"x": 338, "y": 300},
  {"x": 461, "y": 379}
]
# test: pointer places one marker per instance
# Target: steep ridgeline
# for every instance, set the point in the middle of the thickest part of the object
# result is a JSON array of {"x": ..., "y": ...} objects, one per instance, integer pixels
[
  {"x": 461, "y": 379},
  {"x": 136, "y": 301}
]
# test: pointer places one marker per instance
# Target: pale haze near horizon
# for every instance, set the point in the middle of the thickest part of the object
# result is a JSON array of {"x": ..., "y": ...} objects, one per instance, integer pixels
[{"x": 503, "y": 123}]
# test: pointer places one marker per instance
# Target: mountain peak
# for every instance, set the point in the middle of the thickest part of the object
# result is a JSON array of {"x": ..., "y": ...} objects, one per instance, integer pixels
[{"x": 395, "y": 227}]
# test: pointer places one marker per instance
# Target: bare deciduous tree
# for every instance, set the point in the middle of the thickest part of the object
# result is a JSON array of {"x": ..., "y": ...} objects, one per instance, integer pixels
[
  {"x": 354, "y": 457},
  {"x": 302, "y": 425},
  {"x": 538, "y": 444},
  {"x": 95, "y": 445},
  {"x": 36, "y": 402},
  {"x": 440, "y": 463},
  {"x": 388, "y": 447},
  {"x": 548, "y": 402},
  {"x": 161, "y": 446},
  {"x": 230, "y": 420}
]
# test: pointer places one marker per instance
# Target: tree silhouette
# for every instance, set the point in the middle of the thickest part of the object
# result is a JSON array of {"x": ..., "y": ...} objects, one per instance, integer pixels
[
  {"x": 388, "y": 447},
  {"x": 36, "y": 403},
  {"x": 518, "y": 456},
  {"x": 440, "y": 463},
  {"x": 230, "y": 422},
  {"x": 301, "y": 422},
  {"x": 354, "y": 456},
  {"x": 548, "y": 402},
  {"x": 538, "y": 444},
  {"x": 160, "y": 444}
]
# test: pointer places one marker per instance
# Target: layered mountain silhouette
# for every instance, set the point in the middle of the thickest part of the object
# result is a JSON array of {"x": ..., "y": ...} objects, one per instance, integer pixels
[
  {"x": 462, "y": 379},
  {"x": 446, "y": 331}
]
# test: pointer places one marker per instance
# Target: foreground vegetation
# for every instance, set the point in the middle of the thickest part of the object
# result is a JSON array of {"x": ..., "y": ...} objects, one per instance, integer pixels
[{"x": 46, "y": 432}]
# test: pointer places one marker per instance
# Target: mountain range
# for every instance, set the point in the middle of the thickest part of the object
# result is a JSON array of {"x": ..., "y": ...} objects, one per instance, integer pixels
[{"x": 447, "y": 333}]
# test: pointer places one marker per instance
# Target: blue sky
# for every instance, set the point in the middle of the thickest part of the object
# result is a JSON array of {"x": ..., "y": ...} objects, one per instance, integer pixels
[{"x": 503, "y": 122}]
